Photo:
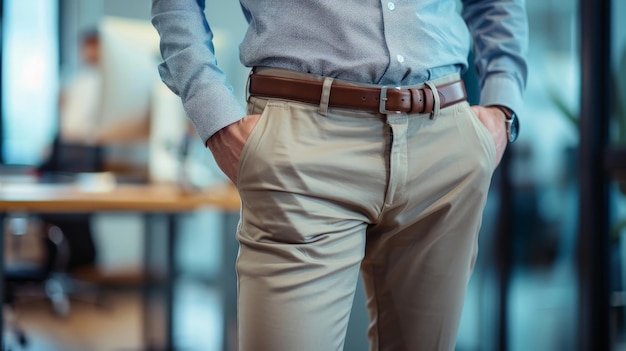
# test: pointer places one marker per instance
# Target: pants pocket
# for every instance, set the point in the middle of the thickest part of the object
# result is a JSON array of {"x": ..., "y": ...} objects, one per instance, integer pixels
[
  {"x": 255, "y": 106},
  {"x": 481, "y": 133}
]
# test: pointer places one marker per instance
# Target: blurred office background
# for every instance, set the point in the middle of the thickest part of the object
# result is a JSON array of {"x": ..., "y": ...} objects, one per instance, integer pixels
[{"x": 544, "y": 276}]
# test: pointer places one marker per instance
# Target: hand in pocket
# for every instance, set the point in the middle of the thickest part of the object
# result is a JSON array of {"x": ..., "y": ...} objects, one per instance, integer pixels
[
  {"x": 494, "y": 120},
  {"x": 226, "y": 145}
]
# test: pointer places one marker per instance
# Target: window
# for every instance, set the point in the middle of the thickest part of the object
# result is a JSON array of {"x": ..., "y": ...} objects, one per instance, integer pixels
[{"x": 29, "y": 79}]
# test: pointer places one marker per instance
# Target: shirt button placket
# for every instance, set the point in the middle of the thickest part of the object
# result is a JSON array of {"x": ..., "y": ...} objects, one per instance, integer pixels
[{"x": 391, "y": 6}]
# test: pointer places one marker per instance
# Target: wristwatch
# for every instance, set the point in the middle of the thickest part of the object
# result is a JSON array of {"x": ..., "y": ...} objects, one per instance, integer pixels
[{"x": 511, "y": 122}]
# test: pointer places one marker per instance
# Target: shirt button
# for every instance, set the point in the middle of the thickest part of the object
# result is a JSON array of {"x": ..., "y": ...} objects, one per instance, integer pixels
[
  {"x": 400, "y": 58},
  {"x": 391, "y": 6}
]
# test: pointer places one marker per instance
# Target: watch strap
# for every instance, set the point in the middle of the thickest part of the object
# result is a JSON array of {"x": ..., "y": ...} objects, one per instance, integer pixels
[{"x": 508, "y": 113}]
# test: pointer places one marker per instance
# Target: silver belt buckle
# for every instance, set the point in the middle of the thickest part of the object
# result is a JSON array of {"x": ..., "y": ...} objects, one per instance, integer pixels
[{"x": 382, "y": 105}]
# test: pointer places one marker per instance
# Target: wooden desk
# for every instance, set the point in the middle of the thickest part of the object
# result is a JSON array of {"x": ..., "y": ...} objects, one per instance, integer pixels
[{"x": 153, "y": 199}]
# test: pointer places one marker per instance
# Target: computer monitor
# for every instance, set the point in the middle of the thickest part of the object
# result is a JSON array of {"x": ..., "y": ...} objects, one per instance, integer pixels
[{"x": 129, "y": 59}]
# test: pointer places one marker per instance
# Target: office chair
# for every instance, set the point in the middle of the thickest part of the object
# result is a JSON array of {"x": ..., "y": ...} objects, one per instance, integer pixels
[
  {"x": 65, "y": 161},
  {"x": 36, "y": 276},
  {"x": 67, "y": 243},
  {"x": 80, "y": 254}
]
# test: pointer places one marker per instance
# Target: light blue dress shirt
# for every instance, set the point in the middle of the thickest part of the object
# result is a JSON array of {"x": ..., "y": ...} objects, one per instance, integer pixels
[{"x": 391, "y": 42}]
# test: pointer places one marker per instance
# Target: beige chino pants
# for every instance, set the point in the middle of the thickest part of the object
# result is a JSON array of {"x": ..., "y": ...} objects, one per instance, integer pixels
[{"x": 331, "y": 193}]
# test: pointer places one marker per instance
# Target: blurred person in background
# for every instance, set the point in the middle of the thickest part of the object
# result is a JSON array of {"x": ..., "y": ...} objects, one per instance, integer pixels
[
  {"x": 80, "y": 100},
  {"x": 74, "y": 148}
]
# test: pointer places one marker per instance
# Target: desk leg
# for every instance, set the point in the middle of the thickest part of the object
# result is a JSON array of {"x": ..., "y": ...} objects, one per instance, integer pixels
[
  {"x": 170, "y": 281},
  {"x": 228, "y": 280},
  {"x": 160, "y": 275},
  {"x": 2, "y": 219}
]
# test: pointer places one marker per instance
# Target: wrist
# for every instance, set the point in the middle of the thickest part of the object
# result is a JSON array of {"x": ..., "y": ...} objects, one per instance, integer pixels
[{"x": 511, "y": 122}]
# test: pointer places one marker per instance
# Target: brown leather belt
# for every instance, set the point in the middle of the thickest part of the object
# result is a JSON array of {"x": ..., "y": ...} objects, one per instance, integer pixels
[{"x": 385, "y": 100}]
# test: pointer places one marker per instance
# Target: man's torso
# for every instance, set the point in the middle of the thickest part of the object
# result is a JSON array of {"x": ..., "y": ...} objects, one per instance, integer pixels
[{"x": 399, "y": 42}]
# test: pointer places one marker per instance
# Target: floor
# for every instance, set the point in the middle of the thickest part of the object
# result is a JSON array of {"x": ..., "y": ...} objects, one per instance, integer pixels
[
  {"x": 118, "y": 326},
  {"x": 538, "y": 321},
  {"x": 542, "y": 320}
]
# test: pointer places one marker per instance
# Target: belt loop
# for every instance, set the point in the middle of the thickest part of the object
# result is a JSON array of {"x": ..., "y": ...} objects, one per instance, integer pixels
[
  {"x": 325, "y": 98},
  {"x": 437, "y": 105},
  {"x": 248, "y": 84}
]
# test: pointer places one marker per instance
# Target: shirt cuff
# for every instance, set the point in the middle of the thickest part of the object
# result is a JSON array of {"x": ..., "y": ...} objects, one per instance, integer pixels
[
  {"x": 502, "y": 90},
  {"x": 213, "y": 110}
]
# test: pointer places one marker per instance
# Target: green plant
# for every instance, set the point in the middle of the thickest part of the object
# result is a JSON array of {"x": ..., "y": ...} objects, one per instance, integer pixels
[{"x": 618, "y": 101}]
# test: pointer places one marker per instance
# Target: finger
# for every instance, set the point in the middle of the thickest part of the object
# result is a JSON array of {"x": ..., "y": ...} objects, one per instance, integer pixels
[{"x": 476, "y": 110}]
